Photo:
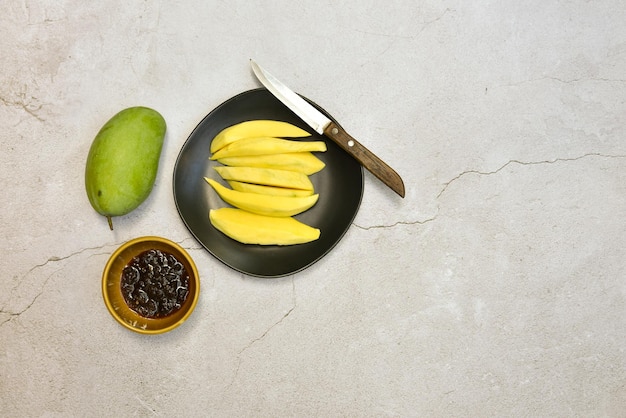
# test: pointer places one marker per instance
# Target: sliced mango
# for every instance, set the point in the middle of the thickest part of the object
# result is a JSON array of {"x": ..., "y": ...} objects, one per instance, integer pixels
[
  {"x": 266, "y": 176},
  {"x": 302, "y": 162},
  {"x": 268, "y": 190},
  {"x": 250, "y": 228},
  {"x": 267, "y": 145},
  {"x": 262, "y": 204},
  {"x": 256, "y": 128}
]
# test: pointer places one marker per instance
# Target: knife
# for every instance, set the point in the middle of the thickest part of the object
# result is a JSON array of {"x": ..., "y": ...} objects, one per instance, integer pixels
[{"x": 324, "y": 126}]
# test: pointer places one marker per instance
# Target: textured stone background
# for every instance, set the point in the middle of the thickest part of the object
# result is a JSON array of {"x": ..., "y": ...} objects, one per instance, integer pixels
[{"x": 497, "y": 287}]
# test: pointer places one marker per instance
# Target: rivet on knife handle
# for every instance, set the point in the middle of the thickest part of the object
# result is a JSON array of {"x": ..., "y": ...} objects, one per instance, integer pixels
[{"x": 365, "y": 157}]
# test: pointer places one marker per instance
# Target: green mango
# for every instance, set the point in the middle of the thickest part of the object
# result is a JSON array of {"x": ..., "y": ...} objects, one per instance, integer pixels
[{"x": 123, "y": 161}]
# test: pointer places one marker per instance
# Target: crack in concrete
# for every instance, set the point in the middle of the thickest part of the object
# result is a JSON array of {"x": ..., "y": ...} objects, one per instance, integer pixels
[
  {"x": 13, "y": 315},
  {"x": 552, "y": 161},
  {"x": 483, "y": 173},
  {"x": 394, "y": 37},
  {"x": 263, "y": 335},
  {"x": 189, "y": 248},
  {"x": 22, "y": 104},
  {"x": 424, "y": 26},
  {"x": 367, "y": 228},
  {"x": 54, "y": 259},
  {"x": 430, "y": 22}
]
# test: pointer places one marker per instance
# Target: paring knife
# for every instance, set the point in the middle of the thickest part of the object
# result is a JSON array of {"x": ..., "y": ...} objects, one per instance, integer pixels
[{"x": 324, "y": 126}]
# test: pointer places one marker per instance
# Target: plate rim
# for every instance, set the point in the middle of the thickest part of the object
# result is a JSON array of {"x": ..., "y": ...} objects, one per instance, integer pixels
[{"x": 205, "y": 246}]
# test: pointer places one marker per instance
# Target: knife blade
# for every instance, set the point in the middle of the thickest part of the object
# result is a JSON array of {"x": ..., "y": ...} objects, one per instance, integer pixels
[{"x": 324, "y": 126}]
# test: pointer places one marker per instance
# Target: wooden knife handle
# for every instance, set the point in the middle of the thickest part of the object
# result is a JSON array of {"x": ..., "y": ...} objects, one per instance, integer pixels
[{"x": 365, "y": 157}]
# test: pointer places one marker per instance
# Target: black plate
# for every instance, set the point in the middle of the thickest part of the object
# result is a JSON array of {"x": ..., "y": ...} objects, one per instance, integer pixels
[{"x": 339, "y": 184}]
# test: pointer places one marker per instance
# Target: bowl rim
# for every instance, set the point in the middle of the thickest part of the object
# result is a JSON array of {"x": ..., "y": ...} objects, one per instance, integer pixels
[{"x": 167, "y": 242}]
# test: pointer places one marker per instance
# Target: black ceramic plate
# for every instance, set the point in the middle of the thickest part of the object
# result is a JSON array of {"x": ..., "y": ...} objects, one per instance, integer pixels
[{"x": 339, "y": 184}]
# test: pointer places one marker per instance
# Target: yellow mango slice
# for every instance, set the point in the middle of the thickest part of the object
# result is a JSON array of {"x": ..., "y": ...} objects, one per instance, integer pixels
[
  {"x": 250, "y": 228},
  {"x": 268, "y": 190},
  {"x": 267, "y": 145},
  {"x": 266, "y": 176},
  {"x": 256, "y": 128},
  {"x": 261, "y": 204},
  {"x": 302, "y": 162}
]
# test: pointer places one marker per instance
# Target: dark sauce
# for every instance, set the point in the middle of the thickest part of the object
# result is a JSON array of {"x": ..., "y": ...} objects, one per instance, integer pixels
[{"x": 155, "y": 284}]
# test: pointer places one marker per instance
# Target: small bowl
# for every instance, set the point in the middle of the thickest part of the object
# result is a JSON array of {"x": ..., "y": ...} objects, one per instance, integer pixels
[{"x": 112, "y": 293}]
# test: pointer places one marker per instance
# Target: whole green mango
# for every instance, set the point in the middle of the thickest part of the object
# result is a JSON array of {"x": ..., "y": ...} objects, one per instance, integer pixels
[{"x": 123, "y": 161}]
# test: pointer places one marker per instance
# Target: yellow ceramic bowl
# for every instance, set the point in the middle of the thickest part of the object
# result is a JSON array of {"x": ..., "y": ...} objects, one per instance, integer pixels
[{"x": 112, "y": 293}]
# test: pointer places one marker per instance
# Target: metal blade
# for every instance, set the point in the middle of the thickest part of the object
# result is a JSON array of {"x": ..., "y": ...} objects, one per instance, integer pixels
[{"x": 313, "y": 117}]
